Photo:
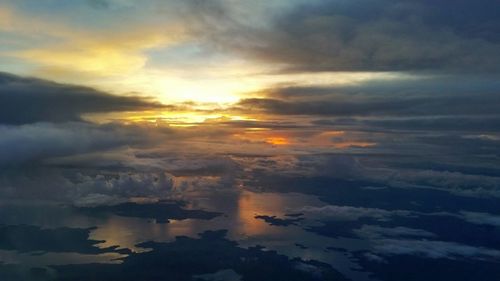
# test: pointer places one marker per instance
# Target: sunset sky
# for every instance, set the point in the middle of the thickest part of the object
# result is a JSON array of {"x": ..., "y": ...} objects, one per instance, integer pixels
[{"x": 361, "y": 125}]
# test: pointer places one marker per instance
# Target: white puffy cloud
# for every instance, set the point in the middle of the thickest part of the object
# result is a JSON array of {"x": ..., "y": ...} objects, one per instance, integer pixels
[{"x": 84, "y": 187}]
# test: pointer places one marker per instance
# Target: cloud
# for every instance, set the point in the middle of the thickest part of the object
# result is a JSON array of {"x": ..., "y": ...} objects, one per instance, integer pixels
[
  {"x": 84, "y": 187},
  {"x": 433, "y": 249},
  {"x": 34, "y": 143},
  {"x": 401, "y": 240},
  {"x": 101, "y": 48},
  {"x": 89, "y": 165},
  {"x": 29, "y": 100},
  {"x": 98, "y": 199},
  {"x": 456, "y": 182},
  {"x": 389, "y": 241},
  {"x": 481, "y": 218},
  {"x": 374, "y": 232},
  {"x": 440, "y": 124},
  {"x": 415, "y": 97},
  {"x": 125, "y": 184},
  {"x": 299, "y": 35},
  {"x": 379, "y": 35},
  {"x": 349, "y": 213}
]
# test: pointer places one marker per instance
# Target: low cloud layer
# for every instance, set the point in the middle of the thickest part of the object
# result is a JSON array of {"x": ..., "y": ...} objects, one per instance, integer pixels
[
  {"x": 30, "y": 100},
  {"x": 433, "y": 249},
  {"x": 33, "y": 143},
  {"x": 349, "y": 213},
  {"x": 418, "y": 97},
  {"x": 84, "y": 187},
  {"x": 369, "y": 128}
]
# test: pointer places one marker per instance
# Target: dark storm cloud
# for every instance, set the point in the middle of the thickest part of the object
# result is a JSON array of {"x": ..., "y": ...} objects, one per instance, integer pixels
[
  {"x": 30, "y": 100},
  {"x": 376, "y": 35}
]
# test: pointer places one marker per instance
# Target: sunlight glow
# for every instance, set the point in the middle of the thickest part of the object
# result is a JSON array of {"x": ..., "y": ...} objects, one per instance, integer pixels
[{"x": 277, "y": 141}]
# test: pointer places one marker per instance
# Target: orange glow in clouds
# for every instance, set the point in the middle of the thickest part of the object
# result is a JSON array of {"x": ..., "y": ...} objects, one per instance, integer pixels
[{"x": 277, "y": 141}]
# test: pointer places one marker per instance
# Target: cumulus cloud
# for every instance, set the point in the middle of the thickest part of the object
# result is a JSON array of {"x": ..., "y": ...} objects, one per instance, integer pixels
[
  {"x": 109, "y": 174},
  {"x": 30, "y": 100},
  {"x": 84, "y": 187},
  {"x": 109, "y": 187}
]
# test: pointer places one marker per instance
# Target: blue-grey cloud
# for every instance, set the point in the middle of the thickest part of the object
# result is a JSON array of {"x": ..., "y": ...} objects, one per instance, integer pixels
[
  {"x": 34, "y": 143},
  {"x": 380, "y": 35},
  {"x": 481, "y": 218},
  {"x": 438, "y": 96},
  {"x": 434, "y": 249},
  {"x": 29, "y": 100}
]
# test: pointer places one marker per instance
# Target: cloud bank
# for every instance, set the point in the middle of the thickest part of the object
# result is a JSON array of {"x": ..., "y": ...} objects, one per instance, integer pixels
[{"x": 30, "y": 100}]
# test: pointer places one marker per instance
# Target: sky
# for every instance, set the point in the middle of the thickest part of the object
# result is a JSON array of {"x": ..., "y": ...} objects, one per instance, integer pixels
[{"x": 363, "y": 133}]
